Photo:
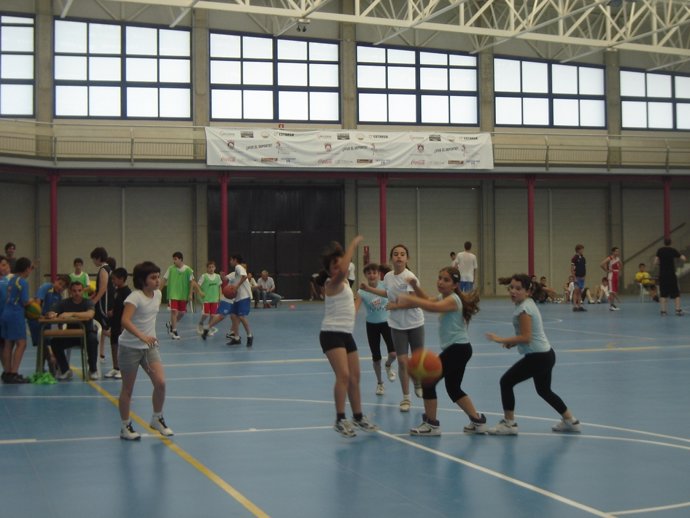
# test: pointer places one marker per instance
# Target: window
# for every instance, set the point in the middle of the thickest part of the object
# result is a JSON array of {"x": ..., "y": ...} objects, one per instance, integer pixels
[
  {"x": 269, "y": 79},
  {"x": 655, "y": 101},
  {"x": 530, "y": 93},
  {"x": 121, "y": 71},
  {"x": 16, "y": 66},
  {"x": 408, "y": 86}
]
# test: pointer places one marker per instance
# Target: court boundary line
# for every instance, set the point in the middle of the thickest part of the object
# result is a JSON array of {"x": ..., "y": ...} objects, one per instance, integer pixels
[
  {"x": 191, "y": 460},
  {"x": 496, "y": 474}
]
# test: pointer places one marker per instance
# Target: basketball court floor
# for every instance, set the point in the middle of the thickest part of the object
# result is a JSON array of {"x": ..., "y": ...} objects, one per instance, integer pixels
[{"x": 254, "y": 438}]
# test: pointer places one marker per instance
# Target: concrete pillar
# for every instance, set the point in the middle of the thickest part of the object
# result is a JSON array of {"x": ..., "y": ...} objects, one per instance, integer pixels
[
  {"x": 613, "y": 105},
  {"x": 486, "y": 91},
  {"x": 45, "y": 91},
  {"x": 200, "y": 77},
  {"x": 348, "y": 69},
  {"x": 486, "y": 281}
]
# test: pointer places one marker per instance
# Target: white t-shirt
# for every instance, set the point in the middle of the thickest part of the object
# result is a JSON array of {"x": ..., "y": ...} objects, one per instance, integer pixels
[
  {"x": 267, "y": 284},
  {"x": 396, "y": 285},
  {"x": 467, "y": 264},
  {"x": 351, "y": 272},
  {"x": 244, "y": 290},
  {"x": 144, "y": 318}
]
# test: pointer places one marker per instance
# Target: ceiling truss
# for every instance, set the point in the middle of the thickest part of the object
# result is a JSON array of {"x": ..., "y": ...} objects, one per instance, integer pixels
[{"x": 556, "y": 29}]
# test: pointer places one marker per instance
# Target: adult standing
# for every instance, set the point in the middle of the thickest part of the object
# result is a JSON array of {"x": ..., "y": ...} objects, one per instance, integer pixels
[
  {"x": 467, "y": 265},
  {"x": 668, "y": 281},
  {"x": 578, "y": 269}
]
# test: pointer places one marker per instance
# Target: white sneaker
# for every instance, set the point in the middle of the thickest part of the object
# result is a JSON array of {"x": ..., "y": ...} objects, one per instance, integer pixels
[
  {"x": 344, "y": 428},
  {"x": 159, "y": 425},
  {"x": 614, "y": 308},
  {"x": 564, "y": 426},
  {"x": 128, "y": 434},
  {"x": 174, "y": 335},
  {"x": 426, "y": 428},
  {"x": 200, "y": 328},
  {"x": 380, "y": 390},
  {"x": 477, "y": 427},
  {"x": 503, "y": 428},
  {"x": 212, "y": 331},
  {"x": 364, "y": 424},
  {"x": 93, "y": 376},
  {"x": 112, "y": 373},
  {"x": 117, "y": 375},
  {"x": 390, "y": 373},
  {"x": 67, "y": 375},
  {"x": 405, "y": 405}
]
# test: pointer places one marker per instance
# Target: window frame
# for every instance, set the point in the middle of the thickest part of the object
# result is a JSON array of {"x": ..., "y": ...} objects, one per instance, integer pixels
[
  {"x": 550, "y": 96},
  {"x": 239, "y": 89},
  {"x": 32, "y": 53},
  {"x": 124, "y": 83},
  {"x": 421, "y": 95}
]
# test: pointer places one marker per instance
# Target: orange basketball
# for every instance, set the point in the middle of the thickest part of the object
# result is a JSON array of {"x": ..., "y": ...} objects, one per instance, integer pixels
[
  {"x": 425, "y": 366},
  {"x": 229, "y": 291}
]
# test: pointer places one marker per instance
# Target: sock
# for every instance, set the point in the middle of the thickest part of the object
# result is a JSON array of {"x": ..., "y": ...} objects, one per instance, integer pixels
[
  {"x": 125, "y": 424},
  {"x": 358, "y": 416},
  {"x": 156, "y": 415},
  {"x": 510, "y": 422},
  {"x": 339, "y": 416},
  {"x": 433, "y": 422},
  {"x": 481, "y": 420},
  {"x": 406, "y": 397}
]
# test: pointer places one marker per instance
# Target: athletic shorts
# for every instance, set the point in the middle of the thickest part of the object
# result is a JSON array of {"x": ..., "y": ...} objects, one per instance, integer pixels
[
  {"x": 334, "y": 339},
  {"x": 130, "y": 358},
  {"x": 224, "y": 308},
  {"x": 613, "y": 281},
  {"x": 580, "y": 282},
  {"x": 241, "y": 307},
  {"x": 210, "y": 308},
  {"x": 179, "y": 305}
]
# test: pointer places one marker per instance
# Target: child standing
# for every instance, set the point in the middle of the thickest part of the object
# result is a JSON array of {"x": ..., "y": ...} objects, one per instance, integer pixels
[
  {"x": 103, "y": 297},
  {"x": 456, "y": 309},
  {"x": 612, "y": 265},
  {"x": 407, "y": 325},
  {"x": 13, "y": 321},
  {"x": 122, "y": 291},
  {"x": 139, "y": 346},
  {"x": 209, "y": 283},
  {"x": 5, "y": 276},
  {"x": 79, "y": 275},
  {"x": 242, "y": 303},
  {"x": 180, "y": 281},
  {"x": 224, "y": 309},
  {"x": 377, "y": 325},
  {"x": 537, "y": 362},
  {"x": 337, "y": 342}
]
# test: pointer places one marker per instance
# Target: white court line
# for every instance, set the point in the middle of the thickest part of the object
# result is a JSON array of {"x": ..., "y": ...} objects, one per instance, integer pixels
[
  {"x": 651, "y": 509},
  {"x": 501, "y": 476}
]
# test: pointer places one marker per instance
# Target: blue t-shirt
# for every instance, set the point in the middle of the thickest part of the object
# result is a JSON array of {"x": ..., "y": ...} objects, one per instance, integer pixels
[
  {"x": 453, "y": 328},
  {"x": 539, "y": 342},
  {"x": 375, "y": 305},
  {"x": 49, "y": 296},
  {"x": 3, "y": 292},
  {"x": 17, "y": 295}
]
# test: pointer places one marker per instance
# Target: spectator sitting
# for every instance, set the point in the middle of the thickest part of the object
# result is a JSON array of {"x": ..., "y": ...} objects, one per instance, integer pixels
[
  {"x": 254, "y": 287},
  {"x": 76, "y": 306},
  {"x": 48, "y": 294},
  {"x": 602, "y": 292},
  {"x": 645, "y": 279},
  {"x": 267, "y": 290},
  {"x": 316, "y": 282}
]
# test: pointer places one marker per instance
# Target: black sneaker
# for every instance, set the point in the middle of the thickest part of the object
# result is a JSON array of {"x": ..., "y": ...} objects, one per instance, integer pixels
[
  {"x": 204, "y": 334},
  {"x": 250, "y": 340},
  {"x": 234, "y": 341}
]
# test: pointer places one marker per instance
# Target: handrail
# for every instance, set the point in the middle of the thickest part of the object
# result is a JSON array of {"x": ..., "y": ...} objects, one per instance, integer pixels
[
  {"x": 656, "y": 242},
  {"x": 65, "y": 141}
]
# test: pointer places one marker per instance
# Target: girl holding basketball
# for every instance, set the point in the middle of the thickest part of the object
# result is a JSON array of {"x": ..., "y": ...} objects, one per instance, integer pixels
[
  {"x": 456, "y": 309},
  {"x": 407, "y": 325},
  {"x": 336, "y": 338},
  {"x": 537, "y": 361}
]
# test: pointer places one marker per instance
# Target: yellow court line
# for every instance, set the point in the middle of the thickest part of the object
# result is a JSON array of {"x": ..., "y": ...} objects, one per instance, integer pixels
[{"x": 208, "y": 473}]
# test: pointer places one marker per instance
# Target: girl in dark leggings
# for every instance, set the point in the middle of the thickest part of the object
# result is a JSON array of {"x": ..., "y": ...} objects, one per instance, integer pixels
[
  {"x": 537, "y": 362},
  {"x": 456, "y": 310}
]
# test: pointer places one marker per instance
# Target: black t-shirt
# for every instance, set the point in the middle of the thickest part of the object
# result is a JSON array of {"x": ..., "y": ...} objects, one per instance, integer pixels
[
  {"x": 580, "y": 265},
  {"x": 667, "y": 260},
  {"x": 69, "y": 306}
]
